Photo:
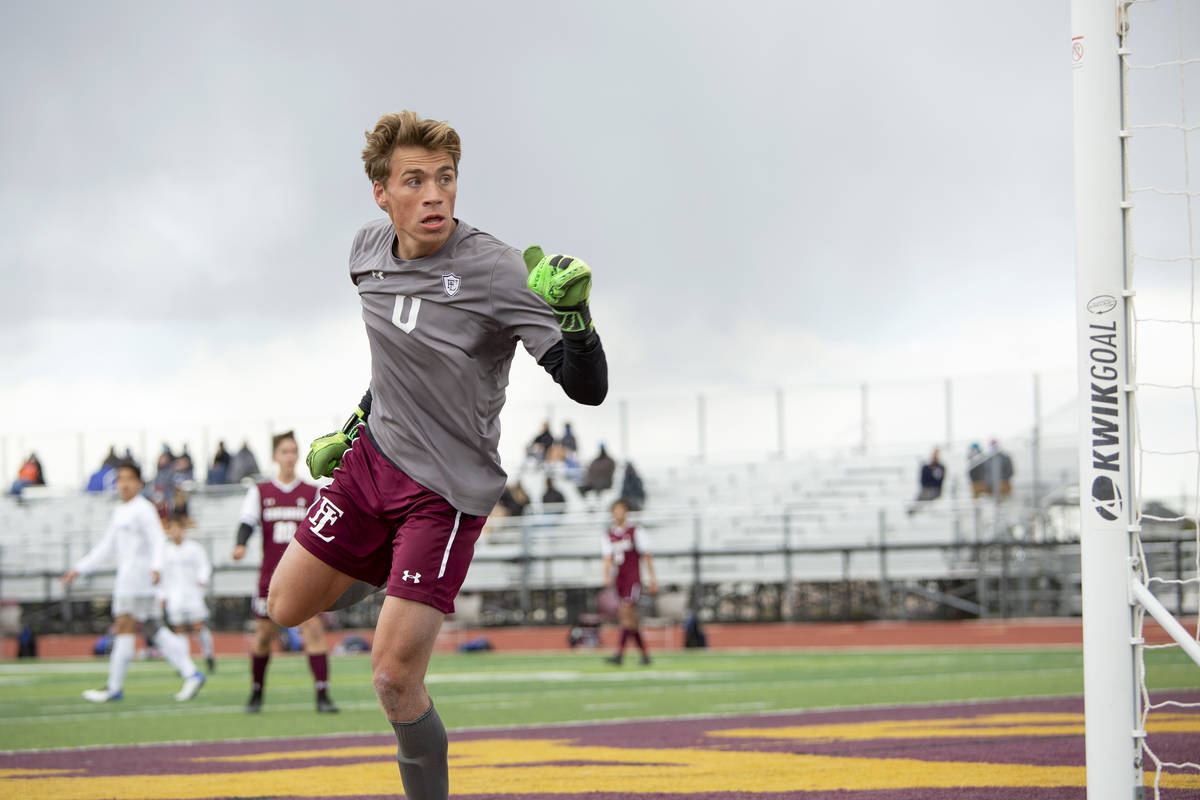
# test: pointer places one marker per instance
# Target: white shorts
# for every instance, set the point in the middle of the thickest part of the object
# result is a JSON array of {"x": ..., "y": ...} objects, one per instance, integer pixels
[
  {"x": 141, "y": 607},
  {"x": 187, "y": 615}
]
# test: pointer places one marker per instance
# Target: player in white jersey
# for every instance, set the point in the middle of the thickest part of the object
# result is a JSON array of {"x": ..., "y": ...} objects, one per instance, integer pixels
[
  {"x": 135, "y": 538},
  {"x": 445, "y": 305},
  {"x": 186, "y": 573}
]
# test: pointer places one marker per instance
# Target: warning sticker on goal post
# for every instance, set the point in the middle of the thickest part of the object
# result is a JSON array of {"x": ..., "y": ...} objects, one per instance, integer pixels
[{"x": 1076, "y": 51}]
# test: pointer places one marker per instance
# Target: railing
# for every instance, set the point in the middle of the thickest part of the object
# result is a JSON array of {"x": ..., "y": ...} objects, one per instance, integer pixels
[{"x": 987, "y": 578}]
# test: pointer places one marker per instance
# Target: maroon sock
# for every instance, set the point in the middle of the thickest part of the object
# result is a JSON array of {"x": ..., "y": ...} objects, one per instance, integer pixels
[
  {"x": 637, "y": 639},
  {"x": 319, "y": 664},
  {"x": 624, "y": 638},
  {"x": 258, "y": 671}
]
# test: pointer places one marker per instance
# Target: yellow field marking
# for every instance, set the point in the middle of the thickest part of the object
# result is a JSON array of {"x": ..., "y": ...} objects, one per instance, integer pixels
[
  {"x": 989, "y": 726},
  {"x": 382, "y": 751},
  {"x": 483, "y": 767},
  {"x": 25, "y": 773}
]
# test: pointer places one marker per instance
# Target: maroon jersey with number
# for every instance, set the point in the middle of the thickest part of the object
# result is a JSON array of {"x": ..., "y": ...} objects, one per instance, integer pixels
[
  {"x": 625, "y": 546},
  {"x": 280, "y": 509}
]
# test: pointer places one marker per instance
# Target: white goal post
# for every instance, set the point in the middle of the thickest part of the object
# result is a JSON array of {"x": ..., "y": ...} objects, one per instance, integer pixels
[
  {"x": 1111, "y": 701},
  {"x": 1115, "y": 592}
]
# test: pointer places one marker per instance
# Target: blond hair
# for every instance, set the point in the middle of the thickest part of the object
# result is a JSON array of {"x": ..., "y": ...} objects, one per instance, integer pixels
[{"x": 405, "y": 129}]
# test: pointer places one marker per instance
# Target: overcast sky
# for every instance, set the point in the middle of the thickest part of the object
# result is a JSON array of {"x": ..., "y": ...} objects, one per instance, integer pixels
[{"x": 769, "y": 193}]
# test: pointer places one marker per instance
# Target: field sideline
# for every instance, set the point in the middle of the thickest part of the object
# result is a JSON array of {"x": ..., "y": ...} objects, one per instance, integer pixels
[
  {"x": 41, "y": 706},
  {"x": 510, "y": 712}
]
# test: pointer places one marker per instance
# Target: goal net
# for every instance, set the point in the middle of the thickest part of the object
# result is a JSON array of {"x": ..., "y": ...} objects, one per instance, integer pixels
[{"x": 1137, "y": 191}]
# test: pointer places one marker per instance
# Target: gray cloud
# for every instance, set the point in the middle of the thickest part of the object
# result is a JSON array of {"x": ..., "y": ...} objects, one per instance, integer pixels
[{"x": 866, "y": 172}]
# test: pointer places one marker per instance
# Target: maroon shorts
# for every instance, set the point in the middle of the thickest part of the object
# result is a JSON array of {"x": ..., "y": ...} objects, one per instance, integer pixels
[
  {"x": 259, "y": 606},
  {"x": 629, "y": 591},
  {"x": 376, "y": 524}
]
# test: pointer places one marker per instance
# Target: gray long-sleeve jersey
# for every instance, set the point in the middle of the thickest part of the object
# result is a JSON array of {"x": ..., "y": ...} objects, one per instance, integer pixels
[{"x": 443, "y": 330}]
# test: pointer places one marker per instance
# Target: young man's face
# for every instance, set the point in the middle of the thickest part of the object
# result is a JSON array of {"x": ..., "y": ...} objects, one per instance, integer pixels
[
  {"x": 618, "y": 513},
  {"x": 287, "y": 453},
  {"x": 174, "y": 532},
  {"x": 419, "y": 199},
  {"x": 128, "y": 484}
]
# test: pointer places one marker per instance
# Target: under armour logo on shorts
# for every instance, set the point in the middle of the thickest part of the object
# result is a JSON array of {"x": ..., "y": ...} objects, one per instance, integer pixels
[
  {"x": 415, "y": 577},
  {"x": 326, "y": 514}
]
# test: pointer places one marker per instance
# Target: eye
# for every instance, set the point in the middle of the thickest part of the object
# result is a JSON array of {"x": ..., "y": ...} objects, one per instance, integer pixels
[
  {"x": 447, "y": 180},
  {"x": 414, "y": 182}
]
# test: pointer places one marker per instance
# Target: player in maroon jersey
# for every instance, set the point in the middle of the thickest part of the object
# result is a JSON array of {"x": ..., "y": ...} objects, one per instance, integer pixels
[
  {"x": 624, "y": 548},
  {"x": 279, "y": 505}
]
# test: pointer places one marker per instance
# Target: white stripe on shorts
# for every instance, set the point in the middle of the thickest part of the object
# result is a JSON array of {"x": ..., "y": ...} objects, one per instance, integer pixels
[{"x": 449, "y": 544}]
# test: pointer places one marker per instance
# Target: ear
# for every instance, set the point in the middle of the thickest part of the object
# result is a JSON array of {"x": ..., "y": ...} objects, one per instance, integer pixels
[{"x": 380, "y": 193}]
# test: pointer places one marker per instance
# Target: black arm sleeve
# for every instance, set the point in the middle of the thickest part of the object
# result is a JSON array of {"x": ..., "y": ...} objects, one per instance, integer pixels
[
  {"x": 365, "y": 403},
  {"x": 244, "y": 533},
  {"x": 579, "y": 366}
]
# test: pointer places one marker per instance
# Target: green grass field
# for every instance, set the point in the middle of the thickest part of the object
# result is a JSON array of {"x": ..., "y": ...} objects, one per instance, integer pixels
[{"x": 41, "y": 707}]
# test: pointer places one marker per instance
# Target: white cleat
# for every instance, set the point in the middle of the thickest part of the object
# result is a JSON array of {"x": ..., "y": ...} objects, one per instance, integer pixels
[
  {"x": 190, "y": 687},
  {"x": 101, "y": 695}
]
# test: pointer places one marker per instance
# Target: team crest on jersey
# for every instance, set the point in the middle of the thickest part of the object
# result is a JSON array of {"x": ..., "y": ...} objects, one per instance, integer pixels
[{"x": 451, "y": 284}]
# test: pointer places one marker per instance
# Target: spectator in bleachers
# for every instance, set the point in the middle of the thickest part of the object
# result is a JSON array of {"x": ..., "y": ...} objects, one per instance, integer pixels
[
  {"x": 104, "y": 479},
  {"x": 183, "y": 468},
  {"x": 514, "y": 500},
  {"x": 164, "y": 471},
  {"x": 112, "y": 459},
  {"x": 552, "y": 497},
  {"x": 218, "y": 473},
  {"x": 599, "y": 473},
  {"x": 933, "y": 473},
  {"x": 633, "y": 491},
  {"x": 540, "y": 444},
  {"x": 991, "y": 472},
  {"x": 179, "y": 502},
  {"x": 30, "y": 474},
  {"x": 568, "y": 440},
  {"x": 975, "y": 467},
  {"x": 563, "y": 462},
  {"x": 998, "y": 471},
  {"x": 243, "y": 464}
]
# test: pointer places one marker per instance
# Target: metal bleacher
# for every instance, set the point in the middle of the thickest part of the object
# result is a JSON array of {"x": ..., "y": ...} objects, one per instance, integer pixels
[{"x": 811, "y": 518}]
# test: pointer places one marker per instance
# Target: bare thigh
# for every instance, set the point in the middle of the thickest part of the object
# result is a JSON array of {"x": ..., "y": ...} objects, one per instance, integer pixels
[{"x": 303, "y": 585}]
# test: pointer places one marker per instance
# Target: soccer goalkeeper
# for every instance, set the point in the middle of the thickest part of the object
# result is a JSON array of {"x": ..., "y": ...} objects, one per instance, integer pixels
[{"x": 444, "y": 305}]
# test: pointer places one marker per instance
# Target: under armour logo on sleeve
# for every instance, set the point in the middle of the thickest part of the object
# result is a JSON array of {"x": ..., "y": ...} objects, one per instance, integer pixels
[{"x": 415, "y": 577}]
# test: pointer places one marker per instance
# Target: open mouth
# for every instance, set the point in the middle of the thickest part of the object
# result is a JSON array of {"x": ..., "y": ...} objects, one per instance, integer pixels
[{"x": 432, "y": 222}]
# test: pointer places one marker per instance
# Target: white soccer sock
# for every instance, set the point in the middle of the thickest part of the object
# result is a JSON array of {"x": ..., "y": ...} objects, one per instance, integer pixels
[
  {"x": 206, "y": 643},
  {"x": 118, "y": 661},
  {"x": 175, "y": 650}
]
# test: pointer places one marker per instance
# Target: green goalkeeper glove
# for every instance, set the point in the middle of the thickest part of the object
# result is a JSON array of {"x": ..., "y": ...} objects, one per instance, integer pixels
[
  {"x": 325, "y": 454},
  {"x": 564, "y": 282}
]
